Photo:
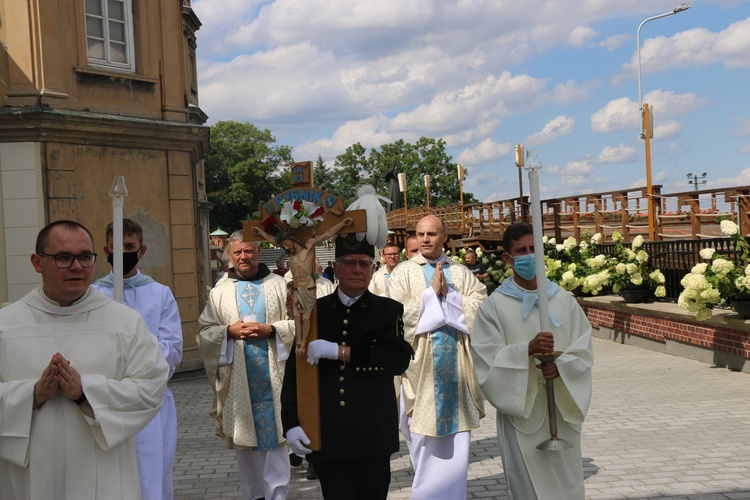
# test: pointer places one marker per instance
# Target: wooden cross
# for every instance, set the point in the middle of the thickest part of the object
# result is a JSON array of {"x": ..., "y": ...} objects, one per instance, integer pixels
[{"x": 299, "y": 244}]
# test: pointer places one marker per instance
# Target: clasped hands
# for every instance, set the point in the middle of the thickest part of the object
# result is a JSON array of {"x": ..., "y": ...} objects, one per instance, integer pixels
[
  {"x": 439, "y": 283},
  {"x": 541, "y": 343},
  {"x": 58, "y": 377},
  {"x": 251, "y": 330}
]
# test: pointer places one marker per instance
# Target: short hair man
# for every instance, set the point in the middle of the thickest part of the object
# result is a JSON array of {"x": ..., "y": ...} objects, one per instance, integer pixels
[
  {"x": 244, "y": 338},
  {"x": 155, "y": 444},
  {"x": 506, "y": 334},
  {"x": 477, "y": 268},
  {"x": 411, "y": 246},
  {"x": 80, "y": 375},
  {"x": 392, "y": 256},
  {"x": 360, "y": 349},
  {"x": 440, "y": 390}
]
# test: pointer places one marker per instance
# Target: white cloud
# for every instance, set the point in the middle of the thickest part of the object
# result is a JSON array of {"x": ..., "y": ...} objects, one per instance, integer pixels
[
  {"x": 744, "y": 150},
  {"x": 623, "y": 114},
  {"x": 667, "y": 130},
  {"x": 615, "y": 41},
  {"x": 693, "y": 48},
  {"x": 555, "y": 129},
  {"x": 486, "y": 151},
  {"x": 580, "y": 35},
  {"x": 743, "y": 127},
  {"x": 621, "y": 153}
]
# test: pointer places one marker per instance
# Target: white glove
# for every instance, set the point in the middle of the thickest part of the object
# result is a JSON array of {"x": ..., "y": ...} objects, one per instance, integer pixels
[
  {"x": 295, "y": 437},
  {"x": 321, "y": 349}
]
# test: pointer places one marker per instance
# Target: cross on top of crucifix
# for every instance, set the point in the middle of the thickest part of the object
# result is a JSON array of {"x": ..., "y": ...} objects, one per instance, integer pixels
[{"x": 297, "y": 220}]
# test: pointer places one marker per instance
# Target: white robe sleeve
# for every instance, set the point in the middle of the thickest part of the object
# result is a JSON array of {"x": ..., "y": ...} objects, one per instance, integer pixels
[
  {"x": 124, "y": 406},
  {"x": 170, "y": 331},
  {"x": 436, "y": 313}
]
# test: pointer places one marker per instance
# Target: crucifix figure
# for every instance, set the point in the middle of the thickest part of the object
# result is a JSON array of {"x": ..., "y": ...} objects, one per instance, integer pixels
[
  {"x": 302, "y": 264},
  {"x": 297, "y": 220}
]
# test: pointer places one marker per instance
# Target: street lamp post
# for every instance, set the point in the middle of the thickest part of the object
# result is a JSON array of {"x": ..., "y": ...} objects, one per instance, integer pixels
[
  {"x": 461, "y": 193},
  {"x": 427, "y": 189},
  {"x": 519, "y": 164},
  {"x": 696, "y": 179},
  {"x": 402, "y": 188},
  {"x": 646, "y": 125}
]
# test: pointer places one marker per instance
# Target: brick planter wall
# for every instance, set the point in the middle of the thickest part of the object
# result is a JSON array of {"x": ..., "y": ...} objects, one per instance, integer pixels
[{"x": 722, "y": 340}]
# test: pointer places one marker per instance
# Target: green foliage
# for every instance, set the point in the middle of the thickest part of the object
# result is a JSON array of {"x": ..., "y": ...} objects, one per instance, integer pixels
[
  {"x": 244, "y": 168},
  {"x": 428, "y": 156}
]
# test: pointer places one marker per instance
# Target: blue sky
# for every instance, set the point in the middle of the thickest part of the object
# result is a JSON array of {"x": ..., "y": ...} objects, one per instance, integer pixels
[{"x": 556, "y": 75}]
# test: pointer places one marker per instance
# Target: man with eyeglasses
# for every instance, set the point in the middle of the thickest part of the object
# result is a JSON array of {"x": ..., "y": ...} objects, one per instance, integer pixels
[
  {"x": 440, "y": 392},
  {"x": 155, "y": 444},
  {"x": 80, "y": 375},
  {"x": 360, "y": 349},
  {"x": 244, "y": 339},
  {"x": 379, "y": 283}
]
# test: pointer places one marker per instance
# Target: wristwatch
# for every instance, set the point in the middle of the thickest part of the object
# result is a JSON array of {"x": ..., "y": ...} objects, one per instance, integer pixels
[{"x": 273, "y": 331}]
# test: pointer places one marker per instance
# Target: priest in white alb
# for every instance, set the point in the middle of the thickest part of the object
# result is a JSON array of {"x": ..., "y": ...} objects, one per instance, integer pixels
[
  {"x": 80, "y": 375},
  {"x": 506, "y": 335}
]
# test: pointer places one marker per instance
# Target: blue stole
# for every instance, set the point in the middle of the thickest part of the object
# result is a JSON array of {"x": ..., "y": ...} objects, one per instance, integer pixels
[
  {"x": 250, "y": 301},
  {"x": 445, "y": 368}
]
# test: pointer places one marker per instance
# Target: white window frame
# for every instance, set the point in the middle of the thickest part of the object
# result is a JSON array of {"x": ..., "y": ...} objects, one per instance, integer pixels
[{"x": 129, "y": 48}]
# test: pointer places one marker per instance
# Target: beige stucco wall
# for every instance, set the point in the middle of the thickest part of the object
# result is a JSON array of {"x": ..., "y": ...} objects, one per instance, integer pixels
[{"x": 23, "y": 214}]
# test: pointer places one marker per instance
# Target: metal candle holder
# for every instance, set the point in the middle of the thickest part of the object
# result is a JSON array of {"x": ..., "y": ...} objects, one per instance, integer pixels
[{"x": 554, "y": 443}]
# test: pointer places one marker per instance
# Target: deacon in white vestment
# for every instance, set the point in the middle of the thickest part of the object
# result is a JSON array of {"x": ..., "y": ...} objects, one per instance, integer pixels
[
  {"x": 154, "y": 445},
  {"x": 80, "y": 375},
  {"x": 244, "y": 340},
  {"x": 439, "y": 389},
  {"x": 506, "y": 333}
]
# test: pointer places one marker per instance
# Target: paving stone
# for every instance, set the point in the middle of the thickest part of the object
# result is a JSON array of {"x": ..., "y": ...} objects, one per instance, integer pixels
[{"x": 659, "y": 426}]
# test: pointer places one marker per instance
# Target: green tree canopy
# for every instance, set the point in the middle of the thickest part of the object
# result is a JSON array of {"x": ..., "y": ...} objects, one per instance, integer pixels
[
  {"x": 426, "y": 157},
  {"x": 244, "y": 168}
]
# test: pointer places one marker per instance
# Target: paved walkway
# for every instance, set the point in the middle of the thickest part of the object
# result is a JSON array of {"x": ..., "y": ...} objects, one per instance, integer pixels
[{"x": 659, "y": 427}]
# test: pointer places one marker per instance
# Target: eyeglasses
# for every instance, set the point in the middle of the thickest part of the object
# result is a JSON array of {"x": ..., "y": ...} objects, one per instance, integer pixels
[
  {"x": 392, "y": 254},
  {"x": 65, "y": 260},
  {"x": 353, "y": 262}
]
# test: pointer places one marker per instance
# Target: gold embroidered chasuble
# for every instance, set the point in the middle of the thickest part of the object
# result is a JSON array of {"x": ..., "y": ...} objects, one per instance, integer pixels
[
  {"x": 406, "y": 284},
  {"x": 232, "y": 408}
]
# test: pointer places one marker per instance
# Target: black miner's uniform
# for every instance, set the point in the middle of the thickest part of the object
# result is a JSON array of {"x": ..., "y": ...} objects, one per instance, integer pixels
[{"x": 358, "y": 408}]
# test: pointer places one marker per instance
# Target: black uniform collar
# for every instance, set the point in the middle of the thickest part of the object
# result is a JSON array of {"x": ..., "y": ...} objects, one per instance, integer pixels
[{"x": 263, "y": 271}]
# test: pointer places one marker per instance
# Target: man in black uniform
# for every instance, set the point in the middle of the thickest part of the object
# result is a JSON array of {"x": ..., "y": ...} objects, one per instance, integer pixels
[{"x": 360, "y": 349}]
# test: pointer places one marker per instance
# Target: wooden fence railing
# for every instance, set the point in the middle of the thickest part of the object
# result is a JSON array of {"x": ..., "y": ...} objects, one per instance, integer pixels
[{"x": 684, "y": 215}]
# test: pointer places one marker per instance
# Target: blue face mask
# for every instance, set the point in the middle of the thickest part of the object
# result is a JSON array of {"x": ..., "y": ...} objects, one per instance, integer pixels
[{"x": 525, "y": 266}]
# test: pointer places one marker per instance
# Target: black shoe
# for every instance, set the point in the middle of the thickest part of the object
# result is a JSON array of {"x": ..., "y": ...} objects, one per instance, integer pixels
[
  {"x": 311, "y": 474},
  {"x": 295, "y": 460}
]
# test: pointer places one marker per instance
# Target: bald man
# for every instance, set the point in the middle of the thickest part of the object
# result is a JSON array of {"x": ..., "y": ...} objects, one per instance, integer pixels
[{"x": 440, "y": 391}]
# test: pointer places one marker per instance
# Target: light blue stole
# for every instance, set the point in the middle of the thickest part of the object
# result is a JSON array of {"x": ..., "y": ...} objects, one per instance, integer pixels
[
  {"x": 250, "y": 301},
  {"x": 445, "y": 367}
]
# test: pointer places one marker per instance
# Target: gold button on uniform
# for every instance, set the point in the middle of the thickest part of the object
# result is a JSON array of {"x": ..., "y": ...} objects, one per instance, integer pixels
[
  {"x": 342, "y": 367},
  {"x": 342, "y": 403},
  {"x": 346, "y": 321},
  {"x": 341, "y": 391},
  {"x": 344, "y": 333},
  {"x": 341, "y": 379}
]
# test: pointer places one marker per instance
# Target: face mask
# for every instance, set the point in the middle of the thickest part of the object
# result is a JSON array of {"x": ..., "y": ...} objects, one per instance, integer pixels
[
  {"x": 129, "y": 260},
  {"x": 525, "y": 266}
]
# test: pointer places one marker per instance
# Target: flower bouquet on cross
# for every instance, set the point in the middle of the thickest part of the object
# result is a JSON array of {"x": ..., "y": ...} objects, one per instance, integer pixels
[
  {"x": 583, "y": 268},
  {"x": 718, "y": 280},
  {"x": 630, "y": 267}
]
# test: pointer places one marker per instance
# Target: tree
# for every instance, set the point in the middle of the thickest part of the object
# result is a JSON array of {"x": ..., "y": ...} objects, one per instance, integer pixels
[
  {"x": 353, "y": 171},
  {"x": 427, "y": 156},
  {"x": 243, "y": 169},
  {"x": 322, "y": 177}
]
